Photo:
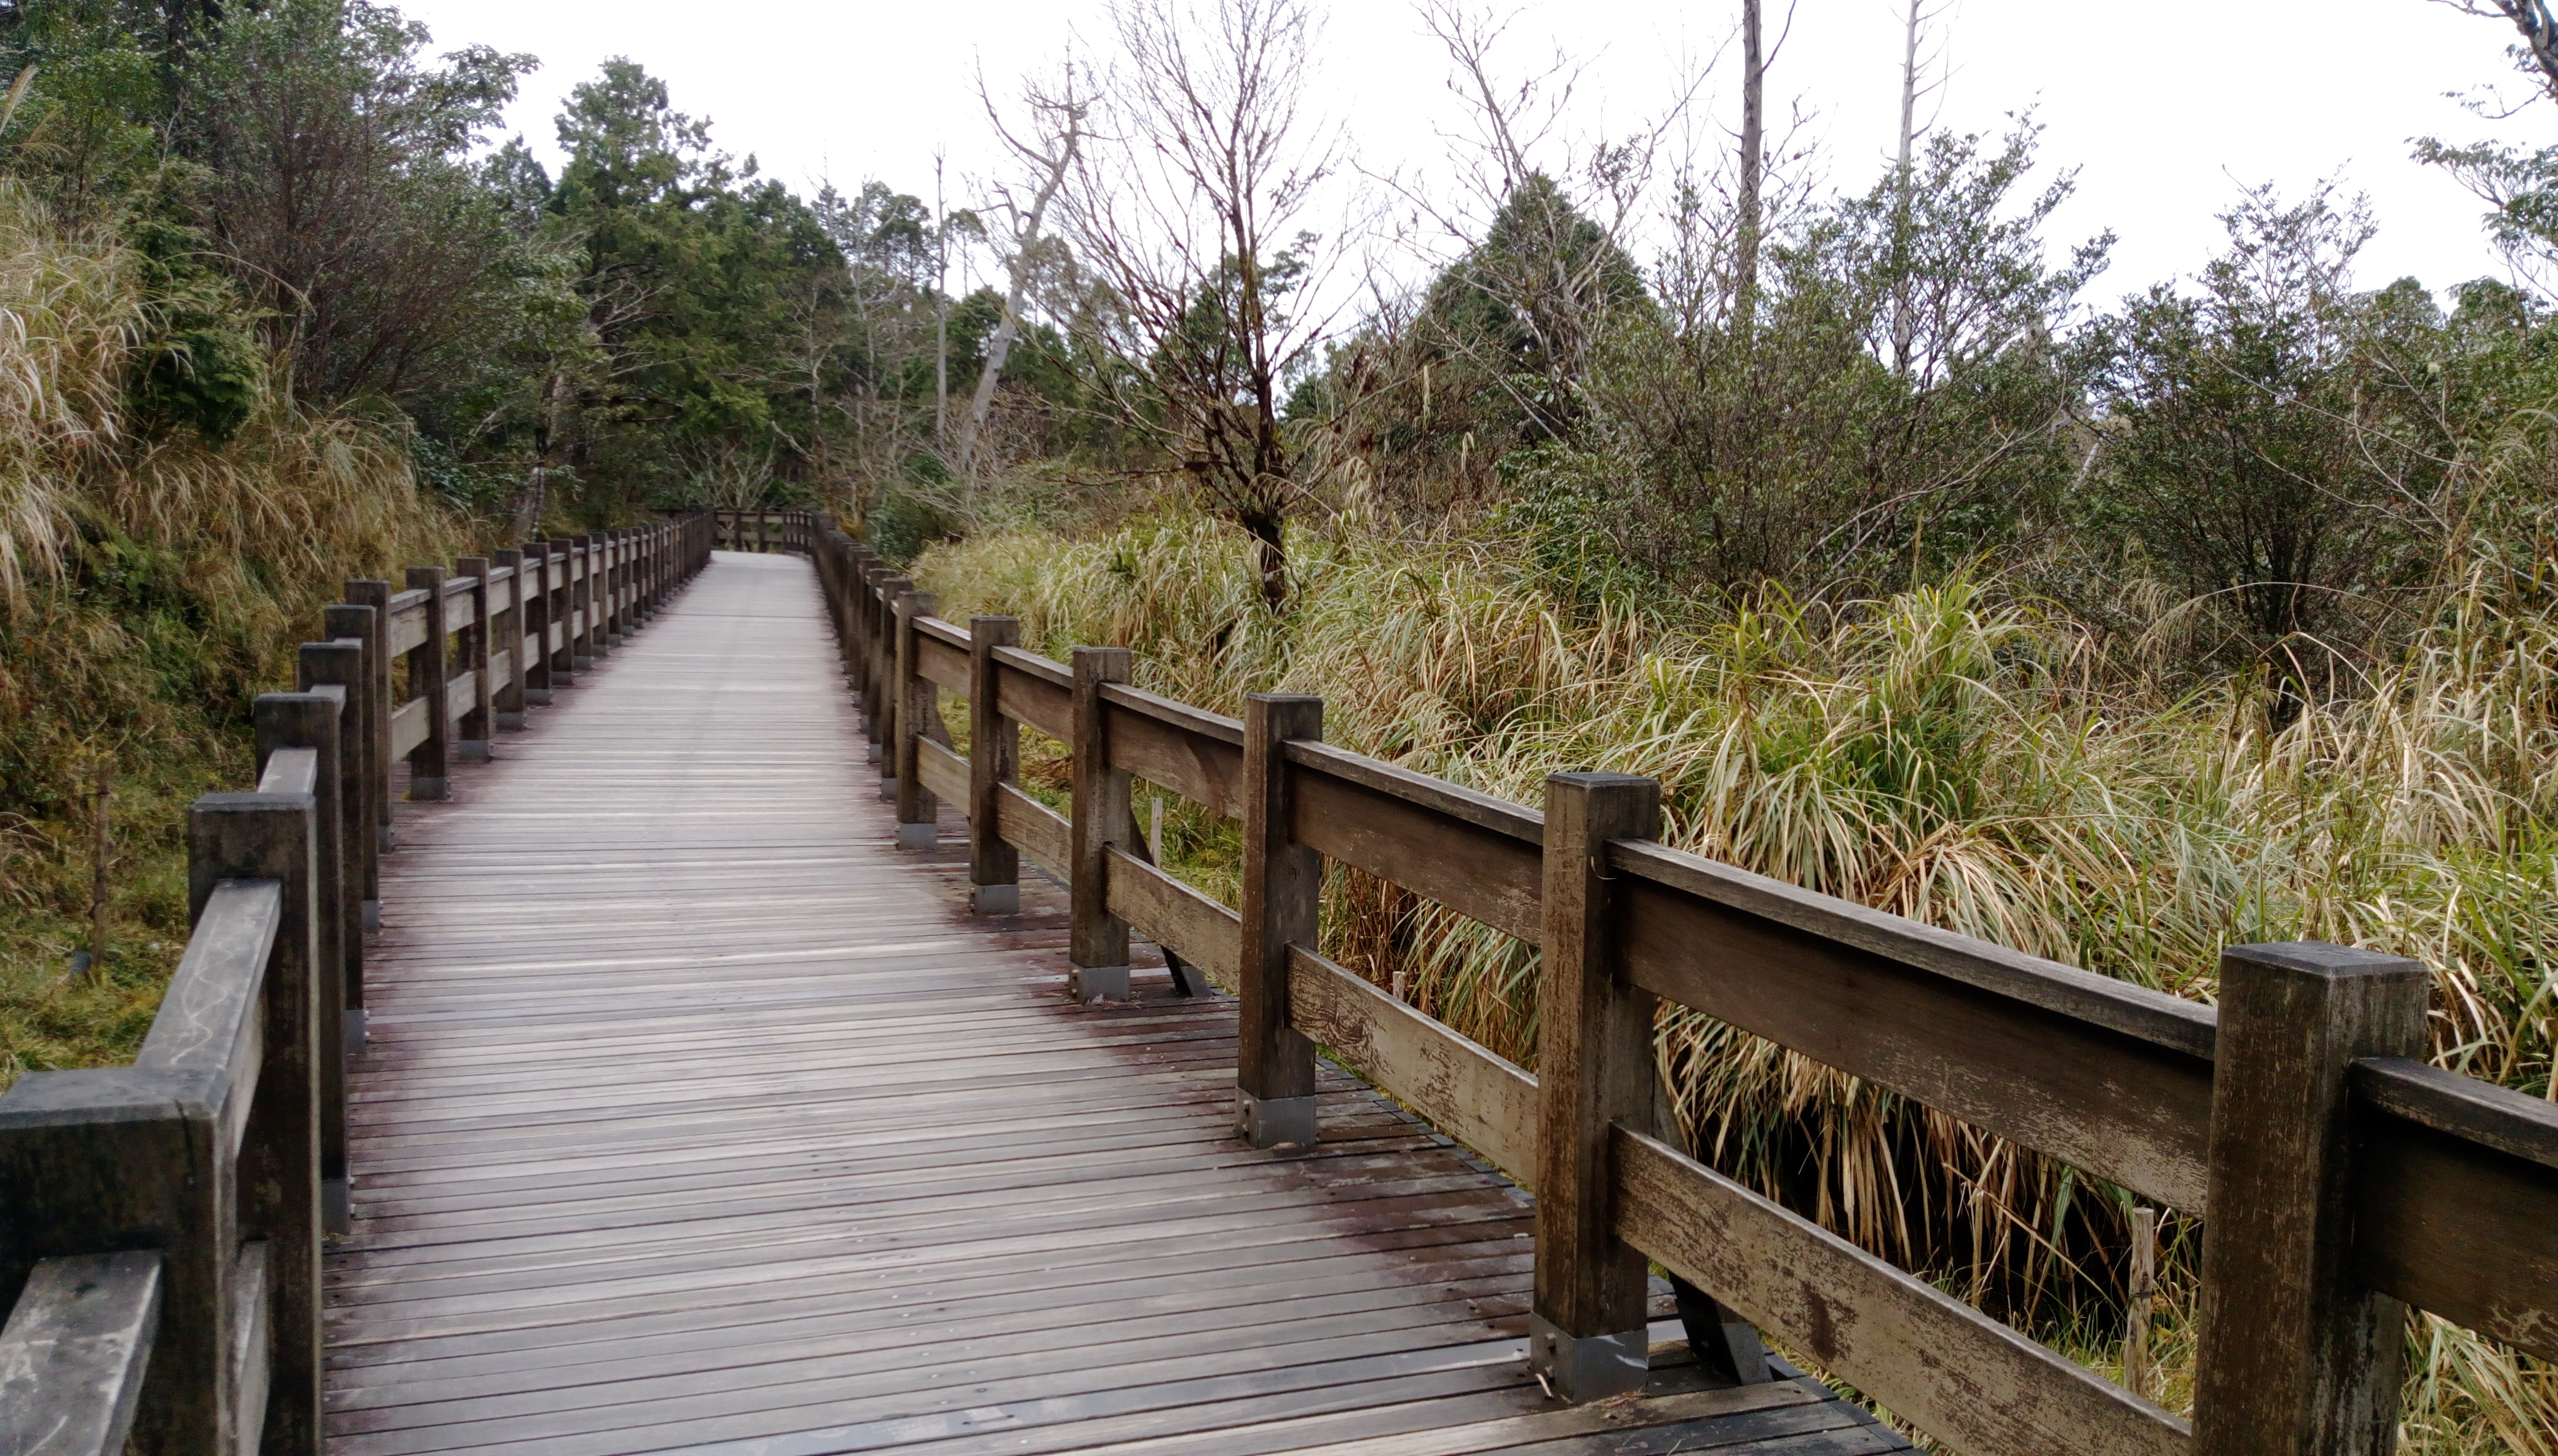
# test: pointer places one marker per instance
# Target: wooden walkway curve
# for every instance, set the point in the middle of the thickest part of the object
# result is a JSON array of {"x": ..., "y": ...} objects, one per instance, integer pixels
[{"x": 697, "y": 1116}]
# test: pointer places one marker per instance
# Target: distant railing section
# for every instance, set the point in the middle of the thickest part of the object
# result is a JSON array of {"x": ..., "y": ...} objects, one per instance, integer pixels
[
  {"x": 2341, "y": 1178},
  {"x": 763, "y": 531},
  {"x": 160, "y": 1223}
]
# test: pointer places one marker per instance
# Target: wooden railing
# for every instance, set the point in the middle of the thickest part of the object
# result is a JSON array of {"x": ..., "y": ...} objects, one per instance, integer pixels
[
  {"x": 763, "y": 530},
  {"x": 2339, "y": 1177},
  {"x": 160, "y": 1223}
]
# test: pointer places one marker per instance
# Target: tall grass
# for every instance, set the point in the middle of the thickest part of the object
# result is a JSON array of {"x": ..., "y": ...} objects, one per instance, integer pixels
[
  {"x": 1957, "y": 754},
  {"x": 151, "y": 583}
]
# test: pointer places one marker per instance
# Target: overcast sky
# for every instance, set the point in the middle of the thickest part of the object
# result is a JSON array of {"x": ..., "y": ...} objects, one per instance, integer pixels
[{"x": 2166, "y": 106}]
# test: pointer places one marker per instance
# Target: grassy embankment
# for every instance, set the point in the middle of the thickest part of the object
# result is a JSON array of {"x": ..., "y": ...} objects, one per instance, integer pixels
[
  {"x": 151, "y": 584},
  {"x": 1954, "y": 753}
]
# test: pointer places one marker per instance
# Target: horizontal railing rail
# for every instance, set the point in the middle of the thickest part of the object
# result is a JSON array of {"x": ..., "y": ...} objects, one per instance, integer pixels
[
  {"x": 161, "y": 1224},
  {"x": 2339, "y": 1178}
]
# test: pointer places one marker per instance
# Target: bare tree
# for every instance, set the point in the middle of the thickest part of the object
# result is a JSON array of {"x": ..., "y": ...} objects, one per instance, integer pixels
[
  {"x": 1754, "y": 152},
  {"x": 941, "y": 308},
  {"x": 1539, "y": 220},
  {"x": 1190, "y": 212},
  {"x": 1904, "y": 319},
  {"x": 1048, "y": 149},
  {"x": 1749, "y": 225},
  {"x": 2537, "y": 25}
]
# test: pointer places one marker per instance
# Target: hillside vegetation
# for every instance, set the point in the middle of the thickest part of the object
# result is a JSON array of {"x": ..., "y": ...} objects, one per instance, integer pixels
[{"x": 153, "y": 585}]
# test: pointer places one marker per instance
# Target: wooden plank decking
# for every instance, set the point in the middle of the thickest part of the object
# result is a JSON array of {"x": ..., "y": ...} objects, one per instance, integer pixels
[{"x": 698, "y": 1117}]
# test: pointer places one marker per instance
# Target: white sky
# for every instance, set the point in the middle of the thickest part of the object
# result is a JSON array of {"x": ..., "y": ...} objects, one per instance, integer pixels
[{"x": 2166, "y": 106}]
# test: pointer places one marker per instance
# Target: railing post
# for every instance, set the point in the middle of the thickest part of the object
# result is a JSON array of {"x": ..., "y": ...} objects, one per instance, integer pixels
[
  {"x": 268, "y": 835},
  {"x": 582, "y": 595},
  {"x": 365, "y": 751},
  {"x": 507, "y": 635},
  {"x": 2298, "y": 1356},
  {"x": 839, "y": 608},
  {"x": 652, "y": 569},
  {"x": 608, "y": 580},
  {"x": 311, "y": 720},
  {"x": 559, "y": 611},
  {"x": 342, "y": 663},
  {"x": 854, "y": 574},
  {"x": 919, "y": 811},
  {"x": 479, "y": 720},
  {"x": 1587, "y": 1329},
  {"x": 427, "y": 674},
  {"x": 883, "y": 707},
  {"x": 616, "y": 586},
  {"x": 868, "y": 584},
  {"x": 1283, "y": 887},
  {"x": 376, "y": 595},
  {"x": 599, "y": 595},
  {"x": 644, "y": 579},
  {"x": 1098, "y": 939},
  {"x": 994, "y": 760}
]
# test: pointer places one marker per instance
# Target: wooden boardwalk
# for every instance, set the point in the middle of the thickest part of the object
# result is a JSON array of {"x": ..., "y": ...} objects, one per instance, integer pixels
[{"x": 696, "y": 1117}]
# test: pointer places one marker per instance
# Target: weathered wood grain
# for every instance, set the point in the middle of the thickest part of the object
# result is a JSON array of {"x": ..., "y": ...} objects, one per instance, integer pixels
[
  {"x": 1173, "y": 915},
  {"x": 2117, "y": 1104},
  {"x": 408, "y": 725},
  {"x": 945, "y": 774},
  {"x": 2299, "y": 1357},
  {"x": 75, "y": 1352},
  {"x": 271, "y": 834},
  {"x": 994, "y": 760},
  {"x": 1480, "y": 1099},
  {"x": 1463, "y": 849},
  {"x": 936, "y": 658},
  {"x": 2457, "y": 1223},
  {"x": 1100, "y": 820},
  {"x": 2453, "y": 1181},
  {"x": 428, "y": 676},
  {"x": 405, "y": 611},
  {"x": 1594, "y": 1068},
  {"x": 1935, "y": 1361},
  {"x": 1195, "y": 754},
  {"x": 1282, "y": 903},
  {"x": 917, "y": 714},
  {"x": 1037, "y": 692}
]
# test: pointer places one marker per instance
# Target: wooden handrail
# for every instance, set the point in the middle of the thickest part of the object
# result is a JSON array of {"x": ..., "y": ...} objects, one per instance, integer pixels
[
  {"x": 160, "y": 1223},
  {"x": 2406, "y": 1182}
]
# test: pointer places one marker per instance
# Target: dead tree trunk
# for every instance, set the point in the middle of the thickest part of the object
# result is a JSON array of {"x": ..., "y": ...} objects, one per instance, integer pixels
[{"x": 1754, "y": 141}]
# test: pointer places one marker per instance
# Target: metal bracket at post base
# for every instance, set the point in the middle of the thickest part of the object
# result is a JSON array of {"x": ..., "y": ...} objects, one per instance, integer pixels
[
  {"x": 1273, "y": 1121},
  {"x": 919, "y": 836},
  {"x": 425, "y": 789},
  {"x": 995, "y": 899},
  {"x": 1726, "y": 1346},
  {"x": 1587, "y": 1368},
  {"x": 1097, "y": 982}
]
